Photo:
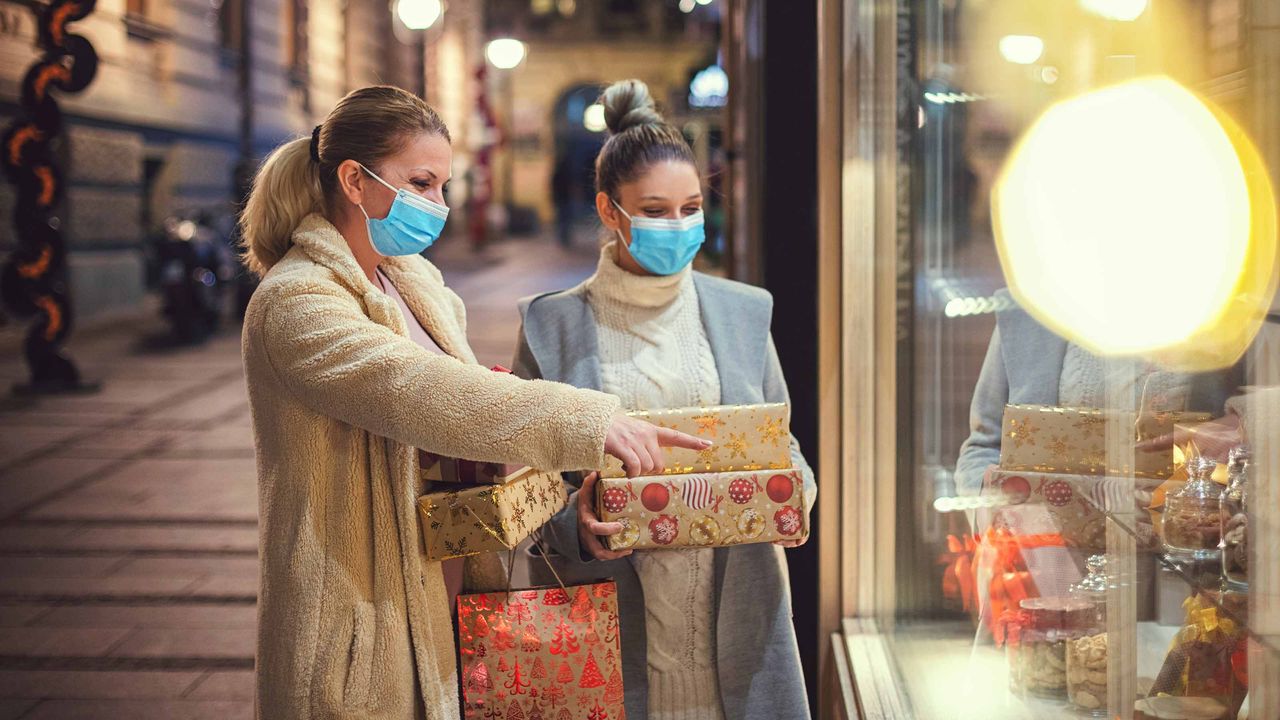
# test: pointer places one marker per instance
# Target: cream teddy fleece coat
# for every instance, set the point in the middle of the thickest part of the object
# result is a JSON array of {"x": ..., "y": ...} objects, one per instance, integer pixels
[{"x": 348, "y": 608}]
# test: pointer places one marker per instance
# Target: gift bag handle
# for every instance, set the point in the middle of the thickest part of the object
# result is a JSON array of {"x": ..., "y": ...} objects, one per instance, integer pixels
[
  {"x": 511, "y": 555},
  {"x": 542, "y": 552}
]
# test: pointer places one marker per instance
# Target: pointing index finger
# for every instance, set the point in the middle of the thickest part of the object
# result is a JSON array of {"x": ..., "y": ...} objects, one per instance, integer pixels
[{"x": 674, "y": 438}]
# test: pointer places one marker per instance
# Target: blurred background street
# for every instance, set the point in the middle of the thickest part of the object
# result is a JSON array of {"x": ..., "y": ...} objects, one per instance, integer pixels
[{"x": 128, "y": 532}]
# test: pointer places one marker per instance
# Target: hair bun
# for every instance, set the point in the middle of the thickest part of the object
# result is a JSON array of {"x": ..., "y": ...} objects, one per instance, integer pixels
[{"x": 627, "y": 104}]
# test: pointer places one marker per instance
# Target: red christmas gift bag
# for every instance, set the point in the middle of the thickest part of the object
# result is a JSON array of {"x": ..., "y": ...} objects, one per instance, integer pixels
[{"x": 548, "y": 653}]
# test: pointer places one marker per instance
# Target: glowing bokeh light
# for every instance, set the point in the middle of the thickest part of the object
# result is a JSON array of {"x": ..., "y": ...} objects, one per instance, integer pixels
[
  {"x": 1122, "y": 10},
  {"x": 418, "y": 14},
  {"x": 505, "y": 53},
  {"x": 1138, "y": 220},
  {"x": 593, "y": 118},
  {"x": 1021, "y": 49}
]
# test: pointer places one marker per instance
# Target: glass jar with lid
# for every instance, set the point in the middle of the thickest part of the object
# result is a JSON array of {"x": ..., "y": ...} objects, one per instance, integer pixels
[
  {"x": 1192, "y": 515},
  {"x": 1087, "y": 653},
  {"x": 1036, "y": 645},
  {"x": 1235, "y": 521}
]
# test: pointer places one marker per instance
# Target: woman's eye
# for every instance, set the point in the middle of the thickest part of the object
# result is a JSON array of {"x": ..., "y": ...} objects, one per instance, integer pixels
[
  {"x": 422, "y": 184},
  {"x": 655, "y": 212},
  {"x": 691, "y": 210}
]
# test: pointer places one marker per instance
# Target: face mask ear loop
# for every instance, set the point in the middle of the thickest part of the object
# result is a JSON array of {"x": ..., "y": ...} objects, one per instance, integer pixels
[{"x": 618, "y": 230}]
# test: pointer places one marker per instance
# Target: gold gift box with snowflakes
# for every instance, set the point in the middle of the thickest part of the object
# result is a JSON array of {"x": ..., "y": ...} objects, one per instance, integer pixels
[
  {"x": 744, "y": 437},
  {"x": 1043, "y": 438},
  {"x": 488, "y": 518},
  {"x": 704, "y": 510}
]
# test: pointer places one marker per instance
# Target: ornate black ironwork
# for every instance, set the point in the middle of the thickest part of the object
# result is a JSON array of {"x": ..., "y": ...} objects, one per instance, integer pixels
[{"x": 33, "y": 280}]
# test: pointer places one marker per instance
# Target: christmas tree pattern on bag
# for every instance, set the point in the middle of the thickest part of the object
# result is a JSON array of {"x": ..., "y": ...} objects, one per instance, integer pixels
[{"x": 546, "y": 654}]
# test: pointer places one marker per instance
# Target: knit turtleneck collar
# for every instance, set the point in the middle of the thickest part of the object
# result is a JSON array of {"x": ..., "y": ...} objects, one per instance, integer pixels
[{"x": 613, "y": 282}]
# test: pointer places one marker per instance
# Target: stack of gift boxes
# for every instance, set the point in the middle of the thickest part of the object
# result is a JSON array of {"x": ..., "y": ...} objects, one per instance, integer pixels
[
  {"x": 743, "y": 489},
  {"x": 1058, "y": 457}
]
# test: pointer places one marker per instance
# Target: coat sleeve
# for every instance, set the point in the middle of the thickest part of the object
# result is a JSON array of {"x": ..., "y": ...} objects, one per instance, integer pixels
[
  {"x": 775, "y": 391},
  {"x": 338, "y": 362},
  {"x": 561, "y": 531},
  {"x": 986, "y": 414}
]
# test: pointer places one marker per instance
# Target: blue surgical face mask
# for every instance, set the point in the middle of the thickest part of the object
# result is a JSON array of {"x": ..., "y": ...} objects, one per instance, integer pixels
[
  {"x": 664, "y": 246},
  {"x": 411, "y": 226}
]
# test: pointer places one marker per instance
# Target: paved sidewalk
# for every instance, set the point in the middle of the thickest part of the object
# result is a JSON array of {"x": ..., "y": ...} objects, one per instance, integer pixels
[{"x": 128, "y": 532}]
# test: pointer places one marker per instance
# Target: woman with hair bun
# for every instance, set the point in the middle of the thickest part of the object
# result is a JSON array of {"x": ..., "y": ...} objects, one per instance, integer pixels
[
  {"x": 356, "y": 359},
  {"x": 706, "y": 633}
]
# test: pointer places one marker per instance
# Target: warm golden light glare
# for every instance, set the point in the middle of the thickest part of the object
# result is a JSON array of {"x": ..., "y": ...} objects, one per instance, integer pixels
[
  {"x": 1122, "y": 10},
  {"x": 505, "y": 53},
  {"x": 418, "y": 14},
  {"x": 1137, "y": 220},
  {"x": 1021, "y": 49}
]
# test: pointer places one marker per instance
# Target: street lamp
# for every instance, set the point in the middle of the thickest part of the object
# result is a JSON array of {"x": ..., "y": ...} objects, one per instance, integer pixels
[
  {"x": 418, "y": 14},
  {"x": 505, "y": 53}
]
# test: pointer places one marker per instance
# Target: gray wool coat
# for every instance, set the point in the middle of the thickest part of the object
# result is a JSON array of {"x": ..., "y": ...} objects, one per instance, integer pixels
[
  {"x": 1024, "y": 367},
  {"x": 757, "y": 657}
]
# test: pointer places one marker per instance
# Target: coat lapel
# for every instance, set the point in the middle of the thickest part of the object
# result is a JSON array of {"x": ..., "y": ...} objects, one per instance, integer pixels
[
  {"x": 738, "y": 339},
  {"x": 322, "y": 241},
  {"x": 562, "y": 336}
]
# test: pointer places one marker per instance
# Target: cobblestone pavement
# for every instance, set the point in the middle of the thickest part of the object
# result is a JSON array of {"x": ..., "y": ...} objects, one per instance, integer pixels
[{"x": 128, "y": 532}]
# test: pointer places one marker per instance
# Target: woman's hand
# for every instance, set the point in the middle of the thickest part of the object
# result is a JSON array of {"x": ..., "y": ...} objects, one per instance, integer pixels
[
  {"x": 639, "y": 444},
  {"x": 791, "y": 543},
  {"x": 590, "y": 528}
]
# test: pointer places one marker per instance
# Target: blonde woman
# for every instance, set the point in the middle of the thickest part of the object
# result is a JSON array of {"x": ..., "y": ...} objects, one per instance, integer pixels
[{"x": 356, "y": 358}]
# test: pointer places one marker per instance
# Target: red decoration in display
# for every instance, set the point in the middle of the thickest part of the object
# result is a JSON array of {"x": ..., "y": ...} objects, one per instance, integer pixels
[
  {"x": 1016, "y": 489},
  {"x": 788, "y": 521},
  {"x": 664, "y": 529},
  {"x": 655, "y": 497},
  {"x": 1058, "y": 493},
  {"x": 780, "y": 488}
]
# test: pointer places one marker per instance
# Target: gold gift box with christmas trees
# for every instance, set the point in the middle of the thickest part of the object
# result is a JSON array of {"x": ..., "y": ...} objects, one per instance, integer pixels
[
  {"x": 1042, "y": 438},
  {"x": 744, "y": 437},
  {"x": 487, "y": 518}
]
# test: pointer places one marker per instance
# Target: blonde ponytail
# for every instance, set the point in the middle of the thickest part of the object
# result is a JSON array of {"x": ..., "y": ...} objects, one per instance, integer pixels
[
  {"x": 285, "y": 190},
  {"x": 301, "y": 176}
]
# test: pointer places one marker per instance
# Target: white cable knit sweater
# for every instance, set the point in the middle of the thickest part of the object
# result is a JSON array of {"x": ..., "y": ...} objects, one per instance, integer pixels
[{"x": 654, "y": 354}]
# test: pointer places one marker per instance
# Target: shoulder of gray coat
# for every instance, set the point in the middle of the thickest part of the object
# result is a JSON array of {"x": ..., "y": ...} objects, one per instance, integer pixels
[
  {"x": 750, "y": 298},
  {"x": 550, "y": 302}
]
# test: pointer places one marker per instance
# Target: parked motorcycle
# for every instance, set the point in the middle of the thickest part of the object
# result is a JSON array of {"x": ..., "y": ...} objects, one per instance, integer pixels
[{"x": 194, "y": 266}]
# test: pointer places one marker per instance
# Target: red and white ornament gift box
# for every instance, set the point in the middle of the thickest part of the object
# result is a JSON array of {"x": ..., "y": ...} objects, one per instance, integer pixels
[
  {"x": 1076, "y": 505},
  {"x": 704, "y": 510}
]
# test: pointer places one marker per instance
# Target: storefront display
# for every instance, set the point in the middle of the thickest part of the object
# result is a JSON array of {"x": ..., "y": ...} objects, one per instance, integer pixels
[
  {"x": 1192, "y": 524},
  {"x": 1235, "y": 521},
  {"x": 1042, "y": 397}
]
